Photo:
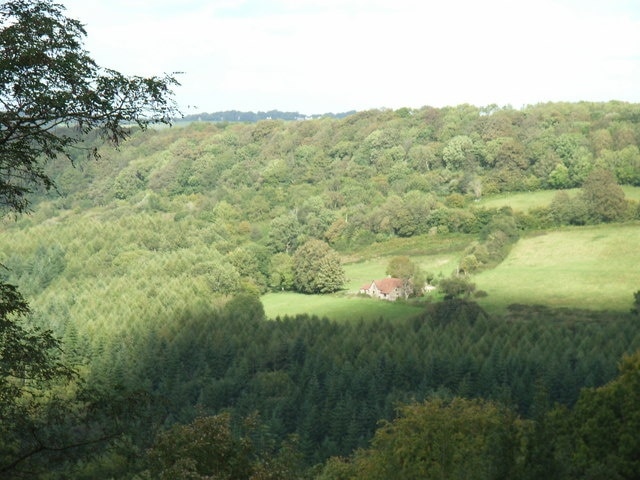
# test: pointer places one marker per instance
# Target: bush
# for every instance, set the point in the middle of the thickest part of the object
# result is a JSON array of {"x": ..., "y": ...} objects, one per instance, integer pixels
[{"x": 456, "y": 286}]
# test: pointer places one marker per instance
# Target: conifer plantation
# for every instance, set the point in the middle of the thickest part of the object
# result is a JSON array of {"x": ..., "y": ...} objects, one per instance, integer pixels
[{"x": 134, "y": 341}]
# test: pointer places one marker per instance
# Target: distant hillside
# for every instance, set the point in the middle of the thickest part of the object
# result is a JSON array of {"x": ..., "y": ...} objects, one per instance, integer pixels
[{"x": 251, "y": 117}]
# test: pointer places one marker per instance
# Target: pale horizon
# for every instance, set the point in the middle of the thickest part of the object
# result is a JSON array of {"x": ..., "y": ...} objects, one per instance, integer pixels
[{"x": 314, "y": 57}]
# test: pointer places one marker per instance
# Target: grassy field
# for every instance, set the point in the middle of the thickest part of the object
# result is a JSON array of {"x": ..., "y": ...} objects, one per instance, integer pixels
[
  {"x": 439, "y": 255},
  {"x": 363, "y": 272},
  {"x": 525, "y": 201},
  {"x": 583, "y": 267},
  {"x": 419, "y": 245},
  {"x": 632, "y": 193},
  {"x": 589, "y": 267},
  {"x": 337, "y": 307}
]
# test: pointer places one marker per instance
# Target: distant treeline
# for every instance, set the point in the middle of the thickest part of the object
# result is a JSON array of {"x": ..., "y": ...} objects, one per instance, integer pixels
[{"x": 252, "y": 117}]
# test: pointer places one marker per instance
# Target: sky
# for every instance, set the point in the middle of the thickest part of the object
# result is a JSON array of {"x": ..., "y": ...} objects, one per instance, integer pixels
[{"x": 320, "y": 56}]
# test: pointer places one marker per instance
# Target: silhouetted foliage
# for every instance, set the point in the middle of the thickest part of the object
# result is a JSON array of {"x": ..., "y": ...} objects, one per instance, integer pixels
[{"x": 52, "y": 91}]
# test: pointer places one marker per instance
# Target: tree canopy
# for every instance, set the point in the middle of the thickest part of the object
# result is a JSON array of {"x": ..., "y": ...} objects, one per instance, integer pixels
[
  {"x": 603, "y": 198},
  {"x": 211, "y": 447},
  {"x": 51, "y": 91},
  {"x": 599, "y": 439},
  {"x": 440, "y": 439},
  {"x": 456, "y": 286},
  {"x": 317, "y": 268},
  {"x": 402, "y": 267}
]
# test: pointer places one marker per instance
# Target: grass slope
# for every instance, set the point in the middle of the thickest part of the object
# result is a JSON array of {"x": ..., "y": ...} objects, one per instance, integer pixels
[
  {"x": 439, "y": 255},
  {"x": 524, "y": 201},
  {"x": 364, "y": 272},
  {"x": 336, "y": 307},
  {"x": 588, "y": 267}
]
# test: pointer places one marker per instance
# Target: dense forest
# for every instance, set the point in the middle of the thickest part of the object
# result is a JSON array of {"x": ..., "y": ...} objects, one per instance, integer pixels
[
  {"x": 373, "y": 174},
  {"x": 149, "y": 264}
]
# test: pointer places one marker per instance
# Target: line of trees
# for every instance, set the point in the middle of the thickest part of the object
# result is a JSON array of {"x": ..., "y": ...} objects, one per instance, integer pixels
[{"x": 239, "y": 116}]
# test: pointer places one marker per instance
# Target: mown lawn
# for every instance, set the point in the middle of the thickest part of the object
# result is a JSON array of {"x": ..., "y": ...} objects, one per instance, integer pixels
[{"x": 588, "y": 267}]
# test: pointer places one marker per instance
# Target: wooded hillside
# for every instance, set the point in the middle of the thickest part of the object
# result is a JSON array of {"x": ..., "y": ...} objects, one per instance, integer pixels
[
  {"x": 149, "y": 264},
  {"x": 366, "y": 177}
]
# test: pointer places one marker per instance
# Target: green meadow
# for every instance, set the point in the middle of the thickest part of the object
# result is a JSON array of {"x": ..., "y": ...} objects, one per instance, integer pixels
[
  {"x": 587, "y": 267},
  {"x": 521, "y": 201},
  {"x": 363, "y": 272},
  {"x": 632, "y": 193},
  {"x": 524, "y": 201},
  {"x": 596, "y": 267},
  {"x": 336, "y": 307},
  {"x": 438, "y": 255}
]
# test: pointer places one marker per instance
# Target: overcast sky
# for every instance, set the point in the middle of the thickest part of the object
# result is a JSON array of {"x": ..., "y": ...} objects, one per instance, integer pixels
[{"x": 319, "y": 56}]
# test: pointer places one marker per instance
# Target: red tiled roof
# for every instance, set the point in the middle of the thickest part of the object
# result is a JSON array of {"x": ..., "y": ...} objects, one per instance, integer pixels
[{"x": 387, "y": 285}]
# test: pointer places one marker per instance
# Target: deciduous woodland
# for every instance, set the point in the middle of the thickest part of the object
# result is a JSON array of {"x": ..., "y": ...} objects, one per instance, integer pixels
[
  {"x": 150, "y": 264},
  {"x": 190, "y": 304}
]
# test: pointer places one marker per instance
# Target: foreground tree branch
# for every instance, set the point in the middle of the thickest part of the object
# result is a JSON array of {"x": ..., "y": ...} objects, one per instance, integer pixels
[{"x": 48, "y": 81}]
